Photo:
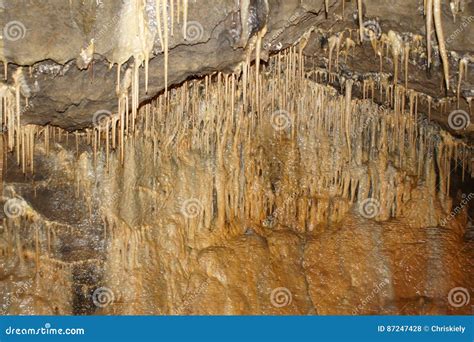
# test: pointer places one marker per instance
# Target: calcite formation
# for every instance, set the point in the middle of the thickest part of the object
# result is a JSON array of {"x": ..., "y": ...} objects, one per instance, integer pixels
[{"x": 274, "y": 178}]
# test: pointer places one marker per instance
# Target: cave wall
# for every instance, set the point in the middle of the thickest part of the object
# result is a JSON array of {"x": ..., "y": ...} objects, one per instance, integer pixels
[
  {"x": 66, "y": 91},
  {"x": 216, "y": 210}
]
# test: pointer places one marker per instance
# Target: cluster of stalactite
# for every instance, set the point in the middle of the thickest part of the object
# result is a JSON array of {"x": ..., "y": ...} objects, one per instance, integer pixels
[
  {"x": 210, "y": 137},
  {"x": 333, "y": 151},
  {"x": 29, "y": 251},
  {"x": 403, "y": 48},
  {"x": 432, "y": 10}
]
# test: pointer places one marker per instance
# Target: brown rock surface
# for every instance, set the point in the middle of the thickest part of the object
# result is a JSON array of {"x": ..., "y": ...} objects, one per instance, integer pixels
[
  {"x": 54, "y": 32},
  {"x": 273, "y": 208},
  {"x": 306, "y": 182}
]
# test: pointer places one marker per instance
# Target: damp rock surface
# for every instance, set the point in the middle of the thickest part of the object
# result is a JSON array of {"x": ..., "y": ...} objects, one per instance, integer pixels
[
  {"x": 73, "y": 49},
  {"x": 266, "y": 194}
]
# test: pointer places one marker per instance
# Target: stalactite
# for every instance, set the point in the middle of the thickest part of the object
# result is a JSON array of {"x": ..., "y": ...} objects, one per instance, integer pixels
[
  {"x": 441, "y": 42},
  {"x": 124, "y": 87},
  {"x": 347, "y": 114},
  {"x": 185, "y": 18},
  {"x": 429, "y": 27},
  {"x": 258, "y": 50},
  {"x": 332, "y": 44},
  {"x": 166, "y": 47},
  {"x": 406, "y": 59},
  {"x": 338, "y": 47},
  {"x": 396, "y": 46},
  {"x": 361, "y": 20},
  {"x": 455, "y": 7},
  {"x": 158, "y": 22},
  {"x": 463, "y": 63},
  {"x": 349, "y": 44},
  {"x": 215, "y": 119},
  {"x": 135, "y": 90}
]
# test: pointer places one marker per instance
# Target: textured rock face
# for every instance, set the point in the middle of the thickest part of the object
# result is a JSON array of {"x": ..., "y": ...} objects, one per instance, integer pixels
[
  {"x": 295, "y": 201},
  {"x": 254, "y": 191},
  {"x": 50, "y": 35},
  {"x": 55, "y": 32}
]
